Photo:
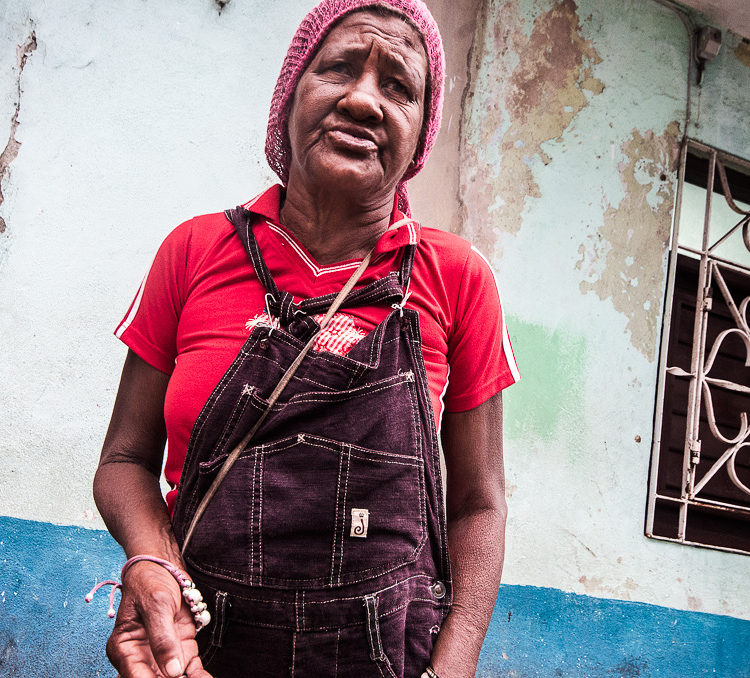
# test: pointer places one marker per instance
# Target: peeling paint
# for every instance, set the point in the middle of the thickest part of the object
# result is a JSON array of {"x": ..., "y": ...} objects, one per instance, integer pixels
[
  {"x": 542, "y": 93},
  {"x": 626, "y": 257},
  {"x": 598, "y": 586},
  {"x": 575, "y": 466},
  {"x": 592, "y": 585},
  {"x": 11, "y": 148},
  {"x": 742, "y": 52}
]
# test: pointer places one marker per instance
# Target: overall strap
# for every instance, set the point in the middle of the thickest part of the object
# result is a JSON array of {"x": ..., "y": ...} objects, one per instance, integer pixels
[
  {"x": 390, "y": 289},
  {"x": 407, "y": 261},
  {"x": 285, "y": 379},
  {"x": 242, "y": 220}
]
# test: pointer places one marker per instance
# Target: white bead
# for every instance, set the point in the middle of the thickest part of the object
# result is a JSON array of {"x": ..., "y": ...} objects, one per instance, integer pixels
[
  {"x": 193, "y": 595},
  {"x": 203, "y": 618}
]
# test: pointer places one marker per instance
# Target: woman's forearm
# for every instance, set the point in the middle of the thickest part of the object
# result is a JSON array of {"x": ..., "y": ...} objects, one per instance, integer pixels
[
  {"x": 126, "y": 485},
  {"x": 476, "y": 545},
  {"x": 154, "y": 626},
  {"x": 129, "y": 500},
  {"x": 476, "y": 511}
]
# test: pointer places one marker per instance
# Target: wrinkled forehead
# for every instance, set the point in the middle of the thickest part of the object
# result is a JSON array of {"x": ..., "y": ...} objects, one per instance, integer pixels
[{"x": 382, "y": 29}]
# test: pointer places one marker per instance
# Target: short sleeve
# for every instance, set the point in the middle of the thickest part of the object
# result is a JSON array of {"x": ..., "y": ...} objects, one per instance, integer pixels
[
  {"x": 149, "y": 327},
  {"x": 480, "y": 355}
]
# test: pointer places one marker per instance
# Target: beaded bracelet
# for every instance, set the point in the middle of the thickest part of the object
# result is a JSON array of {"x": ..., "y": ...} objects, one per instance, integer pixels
[
  {"x": 429, "y": 672},
  {"x": 190, "y": 593}
]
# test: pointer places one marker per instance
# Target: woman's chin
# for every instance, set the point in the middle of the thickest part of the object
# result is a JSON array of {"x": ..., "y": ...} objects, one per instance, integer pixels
[{"x": 349, "y": 177}]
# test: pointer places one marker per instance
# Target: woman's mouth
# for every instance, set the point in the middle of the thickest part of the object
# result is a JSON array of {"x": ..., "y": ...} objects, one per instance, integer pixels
[{"x": 352, "y": 142}]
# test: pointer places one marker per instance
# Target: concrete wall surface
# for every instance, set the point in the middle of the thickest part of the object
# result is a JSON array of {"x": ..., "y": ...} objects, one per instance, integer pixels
[
  {"x": 558, "y": 159},
  {"x": 568, "y": 175}
]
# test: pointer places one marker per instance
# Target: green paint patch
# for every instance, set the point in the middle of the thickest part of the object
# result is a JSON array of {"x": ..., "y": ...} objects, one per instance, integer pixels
[{"x": 548, "y": 397}]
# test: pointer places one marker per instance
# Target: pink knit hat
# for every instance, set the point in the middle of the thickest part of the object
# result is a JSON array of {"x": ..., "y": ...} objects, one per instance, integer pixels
[{"x": 310, "y": 35}]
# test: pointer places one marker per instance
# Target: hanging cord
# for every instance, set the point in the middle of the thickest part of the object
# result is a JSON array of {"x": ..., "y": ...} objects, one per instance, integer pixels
[
  {"x": 235, "y": 453},
  {"x": 690, "y": 29}
]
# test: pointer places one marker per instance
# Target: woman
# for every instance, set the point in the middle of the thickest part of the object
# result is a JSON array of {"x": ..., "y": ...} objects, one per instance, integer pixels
[{"x": 307, "y": 502}]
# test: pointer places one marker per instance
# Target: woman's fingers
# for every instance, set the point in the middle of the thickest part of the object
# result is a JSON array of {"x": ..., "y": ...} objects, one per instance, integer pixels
[
  {"x": 153, "y": 636},
  {"x": 159, "y": 621},
  {"x": 195, "y": 669}
]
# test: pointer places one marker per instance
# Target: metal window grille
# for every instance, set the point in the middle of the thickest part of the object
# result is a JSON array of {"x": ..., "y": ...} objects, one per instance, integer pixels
[{"x": 699, "y": 484}]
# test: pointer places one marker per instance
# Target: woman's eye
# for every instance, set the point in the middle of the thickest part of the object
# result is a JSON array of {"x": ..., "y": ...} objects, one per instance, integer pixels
[
  {"x": 339, "y": 67},
  {"x": 398, "y": 87}
]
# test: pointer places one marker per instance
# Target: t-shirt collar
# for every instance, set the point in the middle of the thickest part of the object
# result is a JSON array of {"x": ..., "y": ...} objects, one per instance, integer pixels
[{"x": 402, "y": 231}]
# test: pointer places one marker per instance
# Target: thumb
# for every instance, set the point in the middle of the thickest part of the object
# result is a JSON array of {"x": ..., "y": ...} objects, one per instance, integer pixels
[{"x": 160, "y": 626}]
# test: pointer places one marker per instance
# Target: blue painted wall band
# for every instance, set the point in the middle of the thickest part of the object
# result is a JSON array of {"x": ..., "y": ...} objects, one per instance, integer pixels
[{"x": 46, "y": 628}]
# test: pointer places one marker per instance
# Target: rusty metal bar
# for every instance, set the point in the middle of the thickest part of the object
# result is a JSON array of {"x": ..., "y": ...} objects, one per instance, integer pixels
[
  {"x": 728, "y": 158},
  {"x": 739, "y": 318},
  {"x": 729, "y": 453},
  {"x": 697, "y": 543},
  {"x": 706, "y": 503},
  {"x": 728, "y": 385},
  {"x": 666, "y": 328},
  {"x": 699, "y": 396},
  {"x": 712, "y": 420},
  {"x": 727, "y": 191},
  {"x": 691, "y": 451},
  {"x": 740, "y": 268},
  {"x": 734, "y": 228}
]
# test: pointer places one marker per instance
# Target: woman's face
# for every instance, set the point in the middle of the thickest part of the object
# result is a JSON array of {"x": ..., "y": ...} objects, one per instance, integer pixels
[{"x": 358, "y": 108}]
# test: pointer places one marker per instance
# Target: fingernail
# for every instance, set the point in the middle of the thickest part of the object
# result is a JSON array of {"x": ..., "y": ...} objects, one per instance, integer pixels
[{"x": 174, "y": 668}]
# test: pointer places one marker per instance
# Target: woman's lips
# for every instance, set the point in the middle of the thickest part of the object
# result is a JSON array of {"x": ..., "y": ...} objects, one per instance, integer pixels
[{"x": 351, "y": 141}]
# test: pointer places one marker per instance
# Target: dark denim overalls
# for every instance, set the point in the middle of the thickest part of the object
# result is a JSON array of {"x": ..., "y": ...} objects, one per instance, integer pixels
[{"x": 323, "y": 552}]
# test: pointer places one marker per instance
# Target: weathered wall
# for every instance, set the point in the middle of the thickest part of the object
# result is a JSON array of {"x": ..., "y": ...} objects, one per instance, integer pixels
[
  {"x": 132, "y": 118},
  {"x": 557, "y": 157},
  {"x": 720, "y": 103},
  {"x": 568, "y": 175}
]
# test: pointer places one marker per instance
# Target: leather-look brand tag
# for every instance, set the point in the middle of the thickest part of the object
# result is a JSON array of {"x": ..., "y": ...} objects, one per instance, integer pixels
[{"x": 360, "y": 521}]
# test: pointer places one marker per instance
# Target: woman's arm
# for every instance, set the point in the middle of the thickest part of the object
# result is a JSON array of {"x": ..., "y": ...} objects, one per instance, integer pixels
[
  {"x": 154, "y": 633},
  {"x": 476, "y": 511}
]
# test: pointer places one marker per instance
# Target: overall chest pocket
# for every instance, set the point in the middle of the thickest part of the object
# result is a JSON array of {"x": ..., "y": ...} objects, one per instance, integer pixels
[{"x": 312, "y": 511}]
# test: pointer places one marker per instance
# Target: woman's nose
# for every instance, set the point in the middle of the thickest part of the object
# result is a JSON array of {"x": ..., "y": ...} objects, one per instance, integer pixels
[{"x": 362, "y": 99}]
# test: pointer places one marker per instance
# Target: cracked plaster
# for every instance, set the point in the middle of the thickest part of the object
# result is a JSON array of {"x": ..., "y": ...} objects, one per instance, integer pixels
[
  {"x": 626, "y": 257},
  {"x": 544, "y": 79},
  {"x": 10, "y": 152}
]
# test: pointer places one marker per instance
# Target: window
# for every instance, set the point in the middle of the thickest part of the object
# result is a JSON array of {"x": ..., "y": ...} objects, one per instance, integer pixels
[{"x": 699, "y": 485}]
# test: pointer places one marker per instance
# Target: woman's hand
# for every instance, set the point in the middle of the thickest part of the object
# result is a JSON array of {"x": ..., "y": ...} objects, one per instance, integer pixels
[{"x": 154, "y": 634}]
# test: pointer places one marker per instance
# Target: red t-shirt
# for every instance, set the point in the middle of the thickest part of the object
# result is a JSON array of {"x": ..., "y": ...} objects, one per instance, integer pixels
[{"x": 201, "y": 297}]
